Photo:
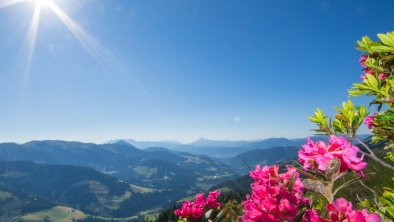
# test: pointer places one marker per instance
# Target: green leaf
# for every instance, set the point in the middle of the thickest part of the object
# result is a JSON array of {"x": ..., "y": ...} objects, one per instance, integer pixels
[
  {"x": 372, "y": 81},
  {"x": 382, "y": 48},
  {"x": 387, "y": 39},
  {"x": 365, "y": 44}
]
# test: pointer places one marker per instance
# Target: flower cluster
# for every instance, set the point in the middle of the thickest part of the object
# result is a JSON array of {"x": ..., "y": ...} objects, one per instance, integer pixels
[
  {"x": 318, "y": 155},
  {"x": 362, "y": 60},
  {"x": 369, "y": 71},
  {"x": 369, "y": 121},
  {"x": 341, "y": 211},
  {"x": 211, "y": 201},
  {"x": 195, "y": 209},
  {"x": 275, "y": 197}
]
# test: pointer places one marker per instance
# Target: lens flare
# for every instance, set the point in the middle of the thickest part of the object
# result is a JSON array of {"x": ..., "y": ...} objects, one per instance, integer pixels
[
  {"x": 103, "y": 56},
  {"x": 94, "y": 48},
  {"x": 32, "y": 36}
]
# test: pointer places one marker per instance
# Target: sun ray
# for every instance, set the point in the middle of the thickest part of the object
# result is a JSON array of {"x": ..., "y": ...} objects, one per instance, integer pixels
[
  {"x": 29, "y": 46},
  {"x": 31, "y": 37},
  {"x": 104, "y": 57}
]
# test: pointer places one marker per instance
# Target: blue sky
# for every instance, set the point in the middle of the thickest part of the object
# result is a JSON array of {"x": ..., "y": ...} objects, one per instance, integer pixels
[{"x": 181, "y": 70}]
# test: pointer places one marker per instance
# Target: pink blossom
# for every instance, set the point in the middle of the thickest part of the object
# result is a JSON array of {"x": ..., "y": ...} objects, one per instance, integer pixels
[
  {"x": 190, "y": 210},
  {"x": 272, "y": 199},
  {"x": 318, "y": 155},
  {"x": 211, "y": 201},
  {"x": 200, "y": 200},
  {"x": 368, "y": 71},
  {"x": 363, "y": 76},
  {"x": 382, "y": 76},
  {"x": 312, "y": 216},
  {"x": 195, "y": 209},
  {"x": 362, "y": 60},
  {"x": 341, "y": 210},
  {"x": 369, "y": 121}
]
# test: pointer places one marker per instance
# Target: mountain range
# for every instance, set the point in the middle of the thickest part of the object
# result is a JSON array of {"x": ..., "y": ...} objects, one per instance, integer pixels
[
  {"x": 118, "y": 179},
  {"x": 221, "y": 148},
  {"x": 92, "y": 177}
]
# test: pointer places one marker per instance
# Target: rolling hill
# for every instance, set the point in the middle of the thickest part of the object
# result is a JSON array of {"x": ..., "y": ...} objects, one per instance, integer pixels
[
  {"x": 154, "y": 177},
  {"x": 78, "y": 187},
  {"x": 157, "y": 169},
  {"x": 246, "y": 161}
]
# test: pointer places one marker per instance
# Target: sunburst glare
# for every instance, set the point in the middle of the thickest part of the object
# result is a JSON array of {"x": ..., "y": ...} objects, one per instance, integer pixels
[
  {"x": 105, "y": 59},
  {"x": 88, "y": 42},
  {"x": 32, "y": 35}
]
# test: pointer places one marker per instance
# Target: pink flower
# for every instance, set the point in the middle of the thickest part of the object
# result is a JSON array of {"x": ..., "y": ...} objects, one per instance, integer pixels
[
  {"x": 211, "y": 201},
  {"x": 190, "y": 210},
  {"x": 312, "y": 216},
  {"x": 368, "y": 71},
  {"x": 200, "y": 200},
  {"x": 382, "y": 76},
  {"x": 369, "y": 121},
  {"x": 341, "y": 210},
  {"x": 362, "y": 60},
  {"x": 272, "y": 199},
  {"x": 195, "y": 209},
  {"x": 318, "y": 155},
  {"x": 363, "y": 76}
]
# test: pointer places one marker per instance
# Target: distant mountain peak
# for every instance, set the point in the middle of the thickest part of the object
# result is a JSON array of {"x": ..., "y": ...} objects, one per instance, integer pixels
[
  {"x": 203, "y": 142},
  {"x": 146, "y": 144},
  {"x": 121, "y": 143}
]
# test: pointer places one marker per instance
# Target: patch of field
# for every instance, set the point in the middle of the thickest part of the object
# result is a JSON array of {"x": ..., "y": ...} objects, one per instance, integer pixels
[
  {"x": 225, "y": 189},
  {"x": 138, "y": 189},
  {"x": 5, "y": 195},
  {"x": 217, "y": 176},
  {"x": 202, "y": 186},
  {"x": 195, "y": 160},
  {"x": 200, "y": 179},
  {"x": 96, "y": 187},
  {"x": 56, "y": 214},
  {"x": 100, "y": 191},
  {"x": 14, "y": 174},
  {"x": 110, "y": 219},
  {"x": 212, "y": 169},
  {"x": 145, "y": 171},
  {"x": 117, "y": 200}
]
